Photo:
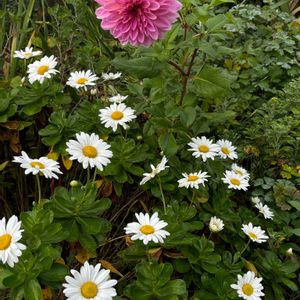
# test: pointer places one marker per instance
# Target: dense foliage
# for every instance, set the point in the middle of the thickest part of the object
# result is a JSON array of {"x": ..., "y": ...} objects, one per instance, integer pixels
[{"x": 223, "y": 71}]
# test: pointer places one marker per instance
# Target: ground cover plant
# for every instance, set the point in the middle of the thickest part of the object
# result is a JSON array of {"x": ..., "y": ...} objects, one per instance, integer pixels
[{"x": 149, "y": 150}]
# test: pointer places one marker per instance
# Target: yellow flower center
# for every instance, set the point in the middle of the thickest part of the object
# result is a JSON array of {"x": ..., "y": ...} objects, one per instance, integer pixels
[
  {"x": 5, "y": 241},
  {"x": 37, "y": 164},
  {"x": 89, "y": 290},
  {"x": 147, "y": 229},
  {"x": 89, "y": 151},
  {"x": 225, "y": 150},
  {"x": 203, "y": 148},
  {"x": 239, "y": 172},
  {"x": 235, "y": 181},
  {"x": 42, "y": 70},
  {"x": 247, "y": 289},
  {"x": 252, "y": 235},
  {"x": 192, "y": 178},
  {"x": 82, "y": 80},
  {"x": 117, "y": 115}
]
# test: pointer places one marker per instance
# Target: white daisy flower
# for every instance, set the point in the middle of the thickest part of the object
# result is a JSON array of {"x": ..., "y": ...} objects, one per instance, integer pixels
[
  {"x": 255, "y": 233},
  {"x": 155, "y": 170},
  {"x": 116, "y": 114},
  {"x": 43, "y": 165},
  {"x": 203, "y": 147},
  {"x": 89, "y": 283},
  {"x": 111, "y": 76},
  {"x": 255, "y": 200},
  {"x": 248, "y": 286},
  {"x": 215, "y": 224},
  {"x": 10, "y": 234},
  {"x": 89, "y": 150},
  {"x": 226, "y": 149},
  {"x": 235, "y": 181},
  {"x": 193, "y": 180},
  {"x": 147, "y": 229},
  {"x": 41, "y": 69},
  {"x": 117, "y": 99},
  {"x": 27, "y": 53},
  {"x": 265, "y": 210},
  {"x": 82, "y": 79},
  {"x": 240, "y": 171}
]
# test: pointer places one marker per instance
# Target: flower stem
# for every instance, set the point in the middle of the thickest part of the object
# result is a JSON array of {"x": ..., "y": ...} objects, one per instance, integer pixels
[
  {"x": 162, "y": 196},
  {"x": 39, "y": 187},
  {"x": 88, "y": 174},
  {"x": 95, "y": 174},
  {"x": 240, "y": 253}
]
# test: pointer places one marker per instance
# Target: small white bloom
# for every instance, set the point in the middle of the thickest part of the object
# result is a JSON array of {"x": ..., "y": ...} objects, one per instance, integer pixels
[
  {"x": 41, "y": 69},
  {"x": 255, "y": 200},
  {"x": 116, "y": 114},
  {"x": 235, "y": 181},
  {"x": 215, "y": 224},
  {"x": 203, "y": 147},
  {"x": 89, "y": 150},
  {"x": 93, "y": 91},
  {"x": 90, "y": 283},
  {"x": 226, "y": 149},
  {"x": 27, "y": 53},
  {"x": 248, "y": 286},
  {"x": 289, "y": 252},
  {"x": 111, "y": 76},
  {"x": 43, "y": 165},
  {"x": 147, "y": 229},
  {"x": 193, "y": 180},
  {"x": 265, "y": 210},
  {"x": 82, "y": 79},
  {"x": 255, "y": 233},
  {"x": 240, "y": 171},
  {"x": 117, "y": 99},
  {"x": 155, "y": 170},
  {"x": 10, "y": 234}
]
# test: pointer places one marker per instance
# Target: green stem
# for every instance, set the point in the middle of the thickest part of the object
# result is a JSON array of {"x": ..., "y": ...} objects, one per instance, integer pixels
[
  {"x": 95, "y": 174},
  {"x": 26, "y": 21},
  {"x": 162, "y": 196},
  {"x": 88, "y": 175},
  {"x": 244, "y": 249},
  {"x": 3, "y": 31},
  {"x": 39, "y": 187}
]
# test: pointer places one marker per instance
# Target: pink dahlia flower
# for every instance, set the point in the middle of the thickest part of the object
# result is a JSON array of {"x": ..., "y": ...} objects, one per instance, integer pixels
[{"x": 137, "y": 22}]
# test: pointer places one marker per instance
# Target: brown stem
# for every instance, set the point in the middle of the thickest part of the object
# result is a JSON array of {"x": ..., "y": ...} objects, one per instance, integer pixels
[
  {"x": 187, "y": 75},
  {"x": 177, "y": 68}
]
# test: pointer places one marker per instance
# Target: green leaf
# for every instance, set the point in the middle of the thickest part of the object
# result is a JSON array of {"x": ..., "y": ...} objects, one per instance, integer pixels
[
  {"x": 14, "y": 280},
  {"x": 57, "y": 273},
  {"x": 88, "y": 242},
  {"x": 145, "y": 67},
  {"x": 219, "y": 2},
  {"x": 296, "y": 231},
  {"x": 188, "y": 116},
  {"x": 295, "y": 204},
  {"x": 153, "y": 282},
  {"x": 215, "y": 23},
  {"x": 4, "y": 274},
  {"x": 32, "y": 290},
  {"x": 173, "y": 287},
  {"x": 213, "y": 82},
  {"x": 168, "y": 144}
]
